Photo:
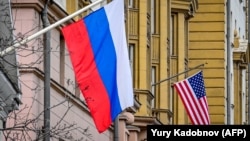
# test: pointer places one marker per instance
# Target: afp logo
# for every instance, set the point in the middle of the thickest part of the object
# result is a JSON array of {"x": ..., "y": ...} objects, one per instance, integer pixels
[{"x": 234, "y": 133}]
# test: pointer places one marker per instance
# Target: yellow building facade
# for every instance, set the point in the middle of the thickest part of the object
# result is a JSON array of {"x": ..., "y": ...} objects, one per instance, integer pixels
[
  {"x": 167, "y": 38},
  {"x": 157, "y": 33},
  {"x": 158, "y": 44},
  {"x": 170, "y": 37},
  {"x": 208, "y": 44}
]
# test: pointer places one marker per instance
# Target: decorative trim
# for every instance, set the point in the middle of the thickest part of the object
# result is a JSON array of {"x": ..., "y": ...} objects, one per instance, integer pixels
[{"x": 62, "y": 90}]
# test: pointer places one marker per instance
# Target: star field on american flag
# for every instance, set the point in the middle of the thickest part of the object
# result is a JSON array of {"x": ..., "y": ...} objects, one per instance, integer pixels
[{"x": 197, "y": 84}]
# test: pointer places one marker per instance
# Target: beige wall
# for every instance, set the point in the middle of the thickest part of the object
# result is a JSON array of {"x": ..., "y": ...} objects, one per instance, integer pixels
[{"x": 207, "y": 45}]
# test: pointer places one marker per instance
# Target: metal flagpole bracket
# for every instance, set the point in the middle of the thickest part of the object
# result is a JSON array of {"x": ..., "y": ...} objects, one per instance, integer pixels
[{"x": 201, "y": 65}]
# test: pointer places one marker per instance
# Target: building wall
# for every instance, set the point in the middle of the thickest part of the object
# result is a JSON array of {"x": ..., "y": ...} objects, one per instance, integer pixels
[
  {"x": 159, "y": 56},
  {"x": 68, "y": 109},
  {"x": 239, "y": 12},
  {"x": 162, "y": 26},
  {"x": 207, "y": 45},
  {"x": 166, "y": 37},
  {"x": 181, "y": 13}
]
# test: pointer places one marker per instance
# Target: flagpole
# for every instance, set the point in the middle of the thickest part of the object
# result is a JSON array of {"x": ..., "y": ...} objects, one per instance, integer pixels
[
  {"x": 44, "y": 30},
  {"x": 178, "y": 74}
]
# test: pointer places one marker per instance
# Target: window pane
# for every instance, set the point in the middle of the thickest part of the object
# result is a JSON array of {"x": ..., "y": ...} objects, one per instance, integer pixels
[{"x": 61, "y": 3}]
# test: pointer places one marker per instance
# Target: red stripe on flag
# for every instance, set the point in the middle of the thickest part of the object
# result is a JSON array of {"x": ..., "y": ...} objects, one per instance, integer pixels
[
  {"x": 87, "y": 75},
  {"x": 196, "y": 105},
  {"x": 182, "y": 95}
]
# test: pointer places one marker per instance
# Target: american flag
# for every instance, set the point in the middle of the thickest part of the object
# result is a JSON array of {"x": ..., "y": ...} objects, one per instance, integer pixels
[{"x": 193, "y": 95}]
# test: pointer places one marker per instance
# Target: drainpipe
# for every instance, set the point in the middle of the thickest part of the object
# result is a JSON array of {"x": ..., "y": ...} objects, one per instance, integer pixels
[
  {"x": 229, "y": 60},
  {"x": 46, "y": 73},
  {"x": 116, "y": 129},
  {"x": 248, "y": 86}
]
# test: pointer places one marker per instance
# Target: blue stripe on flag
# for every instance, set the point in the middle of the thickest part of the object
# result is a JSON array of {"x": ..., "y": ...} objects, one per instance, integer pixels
[{"x": 105, "y": 55}]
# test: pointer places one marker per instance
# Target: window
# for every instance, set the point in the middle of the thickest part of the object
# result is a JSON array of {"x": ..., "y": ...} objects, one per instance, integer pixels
[
  {"x": 62, "y": 60},
  {"x": 60, "y": 139},
  {"x": 130, "y": 3},
  {"x": 61, "y": 3},
  {"x": 243, "y": 96},
  {"x": 173, "y": 34},
  {"x": 131, "y": 56},
  {"x": 153, "y": 81},
  {"x": 153, "y": 20}
]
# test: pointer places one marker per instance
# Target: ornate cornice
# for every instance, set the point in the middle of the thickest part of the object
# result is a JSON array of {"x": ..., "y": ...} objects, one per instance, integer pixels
[
  {"x": 240, "y": 51},
  {"x": 55, "y": 12},
  {"x": 188, "y": 7}
]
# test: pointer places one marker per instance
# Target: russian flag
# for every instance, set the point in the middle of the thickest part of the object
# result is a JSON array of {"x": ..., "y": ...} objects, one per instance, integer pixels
[{"x": 98, "y": 50}]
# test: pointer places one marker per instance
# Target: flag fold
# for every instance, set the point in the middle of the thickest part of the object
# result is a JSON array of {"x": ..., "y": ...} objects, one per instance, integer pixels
[{"x": 98, "y": 51}]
